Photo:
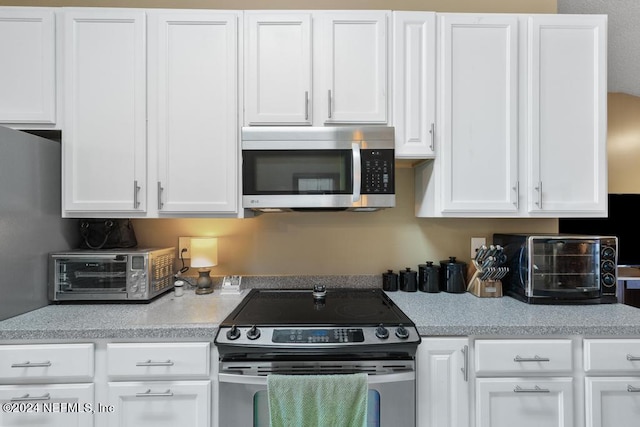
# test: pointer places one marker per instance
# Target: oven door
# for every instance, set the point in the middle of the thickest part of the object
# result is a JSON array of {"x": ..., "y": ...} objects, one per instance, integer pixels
[
  {"x": 82, "y": 276},
  {"x": 243, "y": 399}
]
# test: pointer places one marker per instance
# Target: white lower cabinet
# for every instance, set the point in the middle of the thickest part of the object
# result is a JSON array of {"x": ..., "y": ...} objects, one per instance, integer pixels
[
  {"x": 443, "y": 382},
  {"x": 47, "y": 385},
  {"x": 159, "y": 384}
]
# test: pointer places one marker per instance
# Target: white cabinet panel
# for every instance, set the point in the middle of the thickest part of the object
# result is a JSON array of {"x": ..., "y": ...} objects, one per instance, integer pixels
[
  {"x": 612, "y": 356},
  {"x": 27, "y": 74},
  {"x": 278, "y": 68},
  {"x": 612, "y": 401},
  {"x": 104, "y": 147},
  {"x": 521, "y": 357},
  {"x": 46, "y": 362},
  {"x": 158, "y": 360}
]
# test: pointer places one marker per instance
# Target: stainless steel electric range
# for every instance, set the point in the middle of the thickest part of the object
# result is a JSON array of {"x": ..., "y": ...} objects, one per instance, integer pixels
[{"x": 317, "y": 331}]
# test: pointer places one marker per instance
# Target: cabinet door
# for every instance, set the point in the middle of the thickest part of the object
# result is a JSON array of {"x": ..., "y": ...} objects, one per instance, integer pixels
[
  {"x": 53, "y": 405},
  {"x": 104, "y": 142},
  {"x": 27, "y": 74},
  {"x": 278, "y": 68},
  {"x": 567, "y": 105},
  {"x": 531, "y": 402},
  {"x": 612, "y": 402},
  {"x": 353, "y": 67},
  {"x": 160, "y": 404},
  {"x": 414, "y": 83},
  {"x": 443, "y": 387},
  {"x": 193, "y": 110},
  {"x": 478, "y": 112}
]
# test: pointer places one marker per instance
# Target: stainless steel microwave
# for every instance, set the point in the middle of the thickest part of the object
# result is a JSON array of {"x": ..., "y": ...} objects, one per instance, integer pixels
[
  {"x": 318, "y": 168},
  {"x": 134, "y": 275},
  {"x": 560, "y": 268}
]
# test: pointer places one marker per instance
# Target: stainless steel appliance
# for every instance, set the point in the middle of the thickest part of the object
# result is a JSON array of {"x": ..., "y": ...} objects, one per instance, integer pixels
[
  {"x": 30, "y": 221},
  {"x": 334, "y": 331},
  {"x": 136, "y": 275},
  {"x": 318, "y": 168},
  {"x": 560, "y": 268}
]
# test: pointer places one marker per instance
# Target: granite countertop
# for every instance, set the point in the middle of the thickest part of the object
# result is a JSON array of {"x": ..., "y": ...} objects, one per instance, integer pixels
[{"x": 441, "y": 314}]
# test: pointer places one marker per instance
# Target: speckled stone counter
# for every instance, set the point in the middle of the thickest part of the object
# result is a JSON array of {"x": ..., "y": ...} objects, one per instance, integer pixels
[{"x": 198, "y": 316}]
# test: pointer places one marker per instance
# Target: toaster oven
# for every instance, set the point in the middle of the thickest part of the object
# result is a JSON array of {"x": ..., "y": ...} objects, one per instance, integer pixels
[
  {"x": 560, "y": 268},
  {"x": 137, "y": 275}
]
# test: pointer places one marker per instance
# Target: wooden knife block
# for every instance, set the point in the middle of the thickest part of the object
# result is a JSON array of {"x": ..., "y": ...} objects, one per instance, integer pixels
[{"x": 482, "y": 288}]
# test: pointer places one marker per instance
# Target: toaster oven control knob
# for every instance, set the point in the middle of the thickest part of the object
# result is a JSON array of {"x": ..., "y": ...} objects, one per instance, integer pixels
[
  {"x": 402, "y": 332},
  {"x": 608, "y": 252},
  {"x": 382, "y": 332},
  {"x": 253, "y": 333},
  {"x": 233, "y": 333},
  {"x": 608, "y": 280},
  {"x": 608, "y": 266}
]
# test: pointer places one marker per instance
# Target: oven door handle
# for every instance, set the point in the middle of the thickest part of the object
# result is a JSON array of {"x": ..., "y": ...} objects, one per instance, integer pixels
[{"x": 262, "y": 379}]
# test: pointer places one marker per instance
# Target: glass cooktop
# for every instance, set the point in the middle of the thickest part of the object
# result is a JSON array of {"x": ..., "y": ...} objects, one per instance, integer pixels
[{"x": 341, "y": 306}]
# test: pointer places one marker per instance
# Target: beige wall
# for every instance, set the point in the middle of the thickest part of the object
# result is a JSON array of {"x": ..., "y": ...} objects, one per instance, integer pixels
[{"x": 623, "y": 143}]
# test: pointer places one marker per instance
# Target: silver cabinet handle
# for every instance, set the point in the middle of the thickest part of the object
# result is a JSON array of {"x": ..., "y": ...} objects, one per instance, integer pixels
[
  {"x": 136, "y": 189},
  {"x": 160, "y": 190},
  {"x": 306, "y": 105},
  {"x": 28, "y": 364},
  {"x": 539, "y": 190},
  {"x": 535, "y": 389},
  {"x": 632, "y": 389},
  {"x": 357, "y": 171},
  {"x": 516, "y": 188},
  {"x": 465, "y": 367},
  {"x": 432, "y": 131},
  {"x": 152, "y": 363},
  {"x": 535, "y": 358},
  {"x": 149, "y": 393},
  {"x": 632, "y": 358},
  {"x": 27, "y": 398},
  {"x": 329, "y": 102}
]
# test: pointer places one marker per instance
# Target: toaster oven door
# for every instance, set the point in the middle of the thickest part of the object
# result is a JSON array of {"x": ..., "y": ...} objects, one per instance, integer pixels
[{"x": 79, "y": 277}]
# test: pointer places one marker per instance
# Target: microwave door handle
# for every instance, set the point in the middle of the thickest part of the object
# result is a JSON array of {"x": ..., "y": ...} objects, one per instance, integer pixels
[{"x": 357, "y": 171}]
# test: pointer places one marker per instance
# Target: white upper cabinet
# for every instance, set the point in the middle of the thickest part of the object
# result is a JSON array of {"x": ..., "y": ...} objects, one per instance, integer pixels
[
  {"x": 316, "y": 68},
  {"x": 104, "y": 146},
  {"x": 193, "y": 120},
  {"x": 568, "y": 115},
  {"x": 478, "y": 112},
  {"x": 414, "y": 83},
  {"x": 28, "y": 71},
  {"x": 278, "y": 68}
]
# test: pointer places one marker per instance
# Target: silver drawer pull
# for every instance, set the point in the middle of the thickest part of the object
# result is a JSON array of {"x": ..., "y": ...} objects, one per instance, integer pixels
[
  {"x": 149, "y": 393},
  {"x": 151, "y": 363},
  {"x": 632, "y": 358},
  {"x": 535, "y": 389},
  {"x": 28, "y": 364},
  {"x": 535, "y": 358},
  {"x": 27, "y": 398},
  {"x": 633, "y": 389}
]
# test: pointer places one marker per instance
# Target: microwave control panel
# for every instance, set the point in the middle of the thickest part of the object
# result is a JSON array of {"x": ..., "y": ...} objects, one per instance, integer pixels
[{"x": 377, "y": 171}]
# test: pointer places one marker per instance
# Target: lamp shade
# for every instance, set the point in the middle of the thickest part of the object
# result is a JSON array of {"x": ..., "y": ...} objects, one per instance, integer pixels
[{"x": 204, "y": 252}]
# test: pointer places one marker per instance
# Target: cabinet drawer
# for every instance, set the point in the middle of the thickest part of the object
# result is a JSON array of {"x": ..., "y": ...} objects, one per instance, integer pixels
[
  {"x": 612, "y": 355},
  {"x": 46, "y": 362},
  {"x": 161, "y": 360},
  {"x": 518, "y": 357}
]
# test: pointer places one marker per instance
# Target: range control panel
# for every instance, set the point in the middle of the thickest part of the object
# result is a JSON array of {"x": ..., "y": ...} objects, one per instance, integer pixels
[
  {"x": 318, "y": 335},
  {"x": 377, "y": 171}
]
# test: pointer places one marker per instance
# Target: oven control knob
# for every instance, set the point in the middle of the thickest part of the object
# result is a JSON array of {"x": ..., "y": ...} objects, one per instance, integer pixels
[
  {"x": 402, "y": 332},
  {"x": 233, "y": 333},
  {"x": 382, "y": 332},
  {"x": 253, "y": 333}
]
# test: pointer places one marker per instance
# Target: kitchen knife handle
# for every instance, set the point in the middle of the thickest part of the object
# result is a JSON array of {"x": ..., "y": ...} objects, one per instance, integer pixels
[
  {"x": 329, "y": 102},
  {"x": 432, "y": 131},
  {"x": 535, "y": 389},
  {"x": 149, "y": 393},
  {"x": 136, "y": 189},
  {"x": 160, "y": 190},
  {"x": 357, "y": 171},
  {"x": 27, "y": 398},
  {"x": 306, "y": 105},
  {"x": 465, "y": 367},
  {"x": 535, "y": 358}
]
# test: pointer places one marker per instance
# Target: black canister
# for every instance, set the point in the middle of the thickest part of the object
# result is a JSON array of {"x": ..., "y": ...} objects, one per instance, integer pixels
[
  {"x": 408, "y": 280},
  {"x": 428, "y": 277},
  {"x": 389, "y": 281},
  {"x": 452, "y": 276}
]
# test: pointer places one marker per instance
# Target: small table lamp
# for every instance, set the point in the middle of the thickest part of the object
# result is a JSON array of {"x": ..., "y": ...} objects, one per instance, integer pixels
[{"x": 204, "y": 255}]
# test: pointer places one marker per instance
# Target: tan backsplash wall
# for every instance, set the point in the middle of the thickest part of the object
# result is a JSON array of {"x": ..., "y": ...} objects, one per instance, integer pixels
[{"x": 624, "y": 143}]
